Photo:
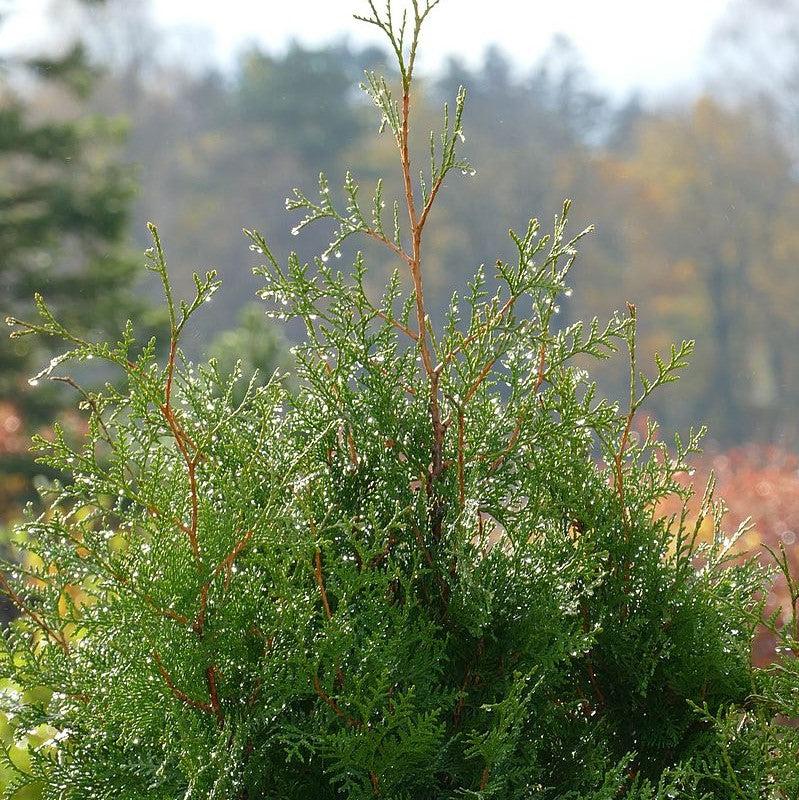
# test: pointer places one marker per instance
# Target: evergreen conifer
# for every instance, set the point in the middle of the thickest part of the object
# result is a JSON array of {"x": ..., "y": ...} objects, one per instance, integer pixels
[{"x": 436, "y": 570}]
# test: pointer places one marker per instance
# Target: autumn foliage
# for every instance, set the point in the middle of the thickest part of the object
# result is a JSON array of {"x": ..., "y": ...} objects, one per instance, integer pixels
[{"x": 759, "y": 484}]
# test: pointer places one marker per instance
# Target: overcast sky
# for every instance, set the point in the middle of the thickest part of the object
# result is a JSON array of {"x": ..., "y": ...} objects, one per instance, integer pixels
[{"x": 625, "y": 43}]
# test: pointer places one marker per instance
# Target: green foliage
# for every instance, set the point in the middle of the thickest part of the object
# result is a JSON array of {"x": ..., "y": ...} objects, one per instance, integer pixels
[{"x": 433, "y": 571}]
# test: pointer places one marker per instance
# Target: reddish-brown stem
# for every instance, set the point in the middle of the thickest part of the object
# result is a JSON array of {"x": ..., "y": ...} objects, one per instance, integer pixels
[
  {"x": 509, "y": 303},
  {"x": 345, "y": 431},
  {"x": 413, "y": 259},
  {"x": 227, "y": 562},
  {"x": 191, "y": 456},
  {"x": 320, "y": 582},
  {"x": 199, "y": 622},
  {"x": 154, "y": 512},
  {"x": 380, "y": 557},
  {"x": 333, "y": 705},
  {"x": 177, "y": 692},
  {"x": 255, "y": 692},
  {"x": 191, "y": 470},
  {"x": 166, "y": 612},
  {"x": 405, "y": 158},
  {"x": 461, "y": 457},
  {"x": 183, "y": 443},
  {"x": 57, "y": 636},
  {"x": 478, "y": 381},
  {"x": 351, "y": 449},
  {"x": 517, "y": 429},
  {"x": 216, "y": 707},
  {"x": 484, "y": 778},
  {"x": 224, "y": 566},
  {"x": 384, "y": 240},
  {"x": 423, "y": 548},
  {"x": 397, "y": 324},
  {"x": 414, "y": 262},
  {"x": 430, "y": 200}
]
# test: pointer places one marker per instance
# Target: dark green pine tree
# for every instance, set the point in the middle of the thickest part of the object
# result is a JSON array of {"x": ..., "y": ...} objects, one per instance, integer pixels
[
  {"x": 64, "y": 206},
  {"x": 434, "y": 572}
]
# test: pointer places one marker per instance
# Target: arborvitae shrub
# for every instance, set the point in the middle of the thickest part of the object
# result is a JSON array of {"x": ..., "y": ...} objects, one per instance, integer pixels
[{"x": 432, "y": 571}]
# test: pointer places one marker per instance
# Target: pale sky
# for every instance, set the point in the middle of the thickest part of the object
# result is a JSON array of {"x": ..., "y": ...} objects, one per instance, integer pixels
[
  {"x": 648, "y": 44},
  {"x": 626, "y": 43}
]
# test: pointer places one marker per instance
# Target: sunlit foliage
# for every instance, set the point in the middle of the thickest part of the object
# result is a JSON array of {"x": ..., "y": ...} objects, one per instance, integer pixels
[{"x": 409, "y": 579}]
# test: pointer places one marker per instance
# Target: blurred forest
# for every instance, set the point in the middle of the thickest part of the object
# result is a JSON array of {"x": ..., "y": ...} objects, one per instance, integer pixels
[{"x": 695, "y": 199}]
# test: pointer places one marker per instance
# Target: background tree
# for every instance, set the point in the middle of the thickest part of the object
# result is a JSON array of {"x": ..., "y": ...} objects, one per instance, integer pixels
[
  {"x": 254, "y": 346},
  {"x": 65, "y": 205},
  {"x": 727, "y": 278},
  {"x": 752, "y": 61}
]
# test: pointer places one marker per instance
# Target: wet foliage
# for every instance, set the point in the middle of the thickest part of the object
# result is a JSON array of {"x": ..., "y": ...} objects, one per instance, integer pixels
[{"x": 436, "y": 569}]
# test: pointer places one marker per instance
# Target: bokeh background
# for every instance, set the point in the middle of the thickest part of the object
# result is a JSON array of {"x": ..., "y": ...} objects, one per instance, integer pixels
[{"x": 674, "y": 129}]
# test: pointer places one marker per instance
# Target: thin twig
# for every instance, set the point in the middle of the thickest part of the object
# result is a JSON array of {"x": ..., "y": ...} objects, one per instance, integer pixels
[
  {"x": 517, "y": 429},
  {"x": 430, "y": 200},
  {"x": 320, "y": 582},
  {"x": 461, "y": 457},
  {"x": 384, "y": 240},
  {"x": 484, "y": 778},
  {"x": 177, "y": 692},
  {"x": 509, "y": 303},
  {"x": 224, "y": 566},
  {"x": 57, "y": 636},
  {"x": 397, "y": 324},
  {"x": 479, "y": 380},
  {"x": 89, "y": 399},
  {"x": 216, "y": 706},
  {"x": 332, "y": 704}
]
